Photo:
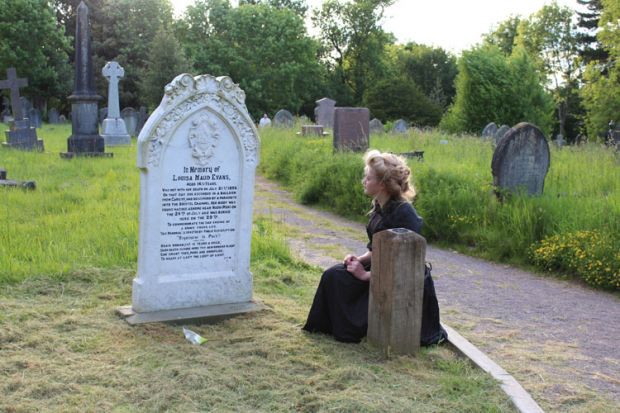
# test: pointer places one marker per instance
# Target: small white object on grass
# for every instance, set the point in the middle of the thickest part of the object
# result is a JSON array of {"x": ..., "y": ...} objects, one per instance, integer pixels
[{"x": 192, "y": 337}]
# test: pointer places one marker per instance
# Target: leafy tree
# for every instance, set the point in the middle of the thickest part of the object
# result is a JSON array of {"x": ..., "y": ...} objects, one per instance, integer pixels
[
  {"x": 164, "y": 48},
  {"x": 601, "y": 92},
  {"x": 354, "y": 43},
  {"x": 262, "y": 47},
  {"x": 504, "y": 35},
  {"x": 124, "y": 33},
  {"x": 589, "y": 47},
  {"x": 432, "y": 69},
  {"x": 298, "y": 6},
  {"x": 35, "y": 45},
  {"x": 551, "y": 38},
  {"x": 400, "y": 97},
  {"x": 493, "y": 87}
]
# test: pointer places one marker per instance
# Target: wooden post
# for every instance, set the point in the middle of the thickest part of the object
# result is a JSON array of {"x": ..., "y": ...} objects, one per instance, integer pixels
[{"x": 396, "y": 291}]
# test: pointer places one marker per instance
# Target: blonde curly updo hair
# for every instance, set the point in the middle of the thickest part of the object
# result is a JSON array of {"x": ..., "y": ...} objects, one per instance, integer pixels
[{"x": 392, "y": 171}]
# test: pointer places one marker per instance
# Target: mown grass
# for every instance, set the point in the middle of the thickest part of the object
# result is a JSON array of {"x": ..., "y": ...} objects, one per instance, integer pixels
[
  {"x": 458, "y": 203},
  {"x": 67, "y": 258}
]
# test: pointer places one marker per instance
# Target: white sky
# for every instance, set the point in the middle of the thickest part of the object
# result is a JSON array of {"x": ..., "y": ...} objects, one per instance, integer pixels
[{"x": 454, "y": 25}]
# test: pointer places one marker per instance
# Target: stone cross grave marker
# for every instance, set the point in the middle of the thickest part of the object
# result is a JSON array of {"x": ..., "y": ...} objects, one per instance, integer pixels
[
  {"x": 283, "y": 119},
  {"x": 130, "y": 116},
  {"x": 500, "y": 133},
  {"x": 489, "y": 131},
  {"x": 375, "y": 126},
  {"x": 21, "y": 135},
  {"x": 521, "y": 160},
  {"x": 13, "y": 83},
  {"x": 351, "y": 129},
  {"x": 114, "y": 131},
  {"x": 197, "y": 155},
  {"x": 324, "y": 112},
  {"x": 400, "y": 126}
]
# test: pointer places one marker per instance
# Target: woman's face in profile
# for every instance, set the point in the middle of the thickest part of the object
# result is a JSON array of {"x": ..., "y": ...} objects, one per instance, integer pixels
[{"x": 372, "y": 186}]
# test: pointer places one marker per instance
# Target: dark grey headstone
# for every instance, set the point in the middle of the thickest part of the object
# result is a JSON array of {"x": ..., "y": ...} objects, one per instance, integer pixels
[
  {"x": 324, "y": 112},
  {"x": 283, "y": 119},
  {"x": 351, "y": 129},
  {"x": 500, "y": 133},
  {"x": 400, "y": 126},
  {"x": 130, "y": 116},
  {"x": 142, "y": 118},
  {"x": 489, "y": 130},
  {"x": 521, "y": 160},
  {"x": 26, "y": 105},
  {"x": 53, "y": 116},
  {"x": 21, "y": 135},
  {"x": 103, "y": 114},
  {"x": 376, "y": 126},
  {"x": 34, "y": 115}
]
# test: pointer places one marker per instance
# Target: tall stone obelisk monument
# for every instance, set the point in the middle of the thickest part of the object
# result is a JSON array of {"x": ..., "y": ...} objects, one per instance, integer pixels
[{"x": 85, "y": 139}]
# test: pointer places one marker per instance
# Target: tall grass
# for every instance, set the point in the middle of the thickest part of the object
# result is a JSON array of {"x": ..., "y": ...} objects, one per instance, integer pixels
[
  {"x": 83, "y": 212},
  {"x": 457, "y": 200}
]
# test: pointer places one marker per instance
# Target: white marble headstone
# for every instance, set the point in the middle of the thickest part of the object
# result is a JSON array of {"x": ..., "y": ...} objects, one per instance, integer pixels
[{"x": 197, "y": 155}]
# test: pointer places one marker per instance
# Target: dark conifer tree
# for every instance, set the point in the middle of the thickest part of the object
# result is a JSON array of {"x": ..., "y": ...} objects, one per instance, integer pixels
[{"x": 590, "y": 49}]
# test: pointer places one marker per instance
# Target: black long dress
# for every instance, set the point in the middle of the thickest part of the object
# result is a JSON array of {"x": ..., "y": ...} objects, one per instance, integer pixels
[{"x": 340, "y": 306}]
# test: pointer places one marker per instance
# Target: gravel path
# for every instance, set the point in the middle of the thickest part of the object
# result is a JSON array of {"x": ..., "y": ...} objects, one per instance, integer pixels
[{"x": 560, "y": 340}]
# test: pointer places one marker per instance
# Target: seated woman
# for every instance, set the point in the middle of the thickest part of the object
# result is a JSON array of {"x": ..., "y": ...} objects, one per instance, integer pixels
[{"x": 340, "y": 306}]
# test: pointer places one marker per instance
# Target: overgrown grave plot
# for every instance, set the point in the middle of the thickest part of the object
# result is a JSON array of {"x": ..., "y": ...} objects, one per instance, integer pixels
[
  {"x": 69, "y": 258},
  {"x": 571, "y": 229}
]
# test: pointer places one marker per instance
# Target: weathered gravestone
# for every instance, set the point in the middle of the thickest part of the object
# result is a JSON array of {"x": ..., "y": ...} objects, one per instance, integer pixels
[
  {"x": 9, "y": 183},
  {"x": 113, "y": 128},
  {"x": 26, "y": 105},
  {"x": 84, "y": 139},
  {"x": 489, "y": 130},
  {"x": 21, "y": 135},
  {"x": 283, "y": 119},
  {"x": 324, "y": 112},
  {"x": 53, "y": 116},
  {"x": 197, "y": 155},
  {"x": 559, "y": 140},
  {"x": 34, "y": 115},
  {"x": 5, "y": 115},
  {"x": 375, "y": 126},
  {"x": 62, "y": 119},
  {"x": 521, "y": 160},
  {"x": 500, "y": 133},
  {"x": 311, "y": 130},
  {"x": 130, "y": 116},
  {"x": 351, "y": 129},
  {"x": 400, "y": 126},
  {"x": 142, "y": 117}
]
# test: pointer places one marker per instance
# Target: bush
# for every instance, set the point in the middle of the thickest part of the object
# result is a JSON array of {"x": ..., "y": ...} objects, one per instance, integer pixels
[{"x": 592, "y": 255}]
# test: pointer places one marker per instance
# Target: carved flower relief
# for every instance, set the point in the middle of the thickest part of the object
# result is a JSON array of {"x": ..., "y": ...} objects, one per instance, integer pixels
[{"x": 203, "y": 138}]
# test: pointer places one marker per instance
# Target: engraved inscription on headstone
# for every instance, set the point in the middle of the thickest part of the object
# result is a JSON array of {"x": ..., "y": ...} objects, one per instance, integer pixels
[
  {"x": 197, "y": 154},
  {"x": 521, "y": 160}
]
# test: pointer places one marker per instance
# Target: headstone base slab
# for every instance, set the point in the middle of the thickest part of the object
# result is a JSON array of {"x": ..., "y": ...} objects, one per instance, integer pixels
[
  {"x": 71, "y": 155},
  {"x": 115, "y": 132},
  {"x": 36, "y": 146},
  {"x": 211, "y": 313},
  {"x": 85, "y": 143}
]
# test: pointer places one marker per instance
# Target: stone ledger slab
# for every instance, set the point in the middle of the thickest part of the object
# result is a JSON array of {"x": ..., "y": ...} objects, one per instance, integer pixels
[{"x": 197, "y": 155}]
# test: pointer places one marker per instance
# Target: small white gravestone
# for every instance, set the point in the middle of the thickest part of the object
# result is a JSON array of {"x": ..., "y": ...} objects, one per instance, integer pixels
[
  {"x": 114, "y": 130},
  {"x": 197, "y": 155}
]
